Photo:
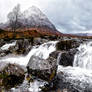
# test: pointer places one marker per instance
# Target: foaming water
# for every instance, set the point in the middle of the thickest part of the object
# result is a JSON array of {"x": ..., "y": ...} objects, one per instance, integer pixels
[
  {"x": 30, "y": 87},
  {"x": 6, "y": 46},
  {"x": 80, "y": 75},
  {"x": 59, "y": 57},
  {"x": 83, "y": 57},
  {"x": 41, "y": 51},
  {"x": 80, "y": 78}
]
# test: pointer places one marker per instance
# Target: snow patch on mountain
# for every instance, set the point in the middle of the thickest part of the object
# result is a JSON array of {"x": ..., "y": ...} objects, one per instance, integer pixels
[{"x": 35, "y": 18}]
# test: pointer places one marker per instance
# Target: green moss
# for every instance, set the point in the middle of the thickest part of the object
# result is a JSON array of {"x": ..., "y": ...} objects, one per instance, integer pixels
[
  {"x": 52, "y": 75},
  {"x": 29, "y": 78}
]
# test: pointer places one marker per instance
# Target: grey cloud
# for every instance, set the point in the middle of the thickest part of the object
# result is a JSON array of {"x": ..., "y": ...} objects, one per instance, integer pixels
[{"x": 71, "y": 15}]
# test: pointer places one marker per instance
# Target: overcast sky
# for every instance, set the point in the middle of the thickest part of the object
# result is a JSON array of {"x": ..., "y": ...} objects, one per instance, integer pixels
[{"x": 67, "y": 15}]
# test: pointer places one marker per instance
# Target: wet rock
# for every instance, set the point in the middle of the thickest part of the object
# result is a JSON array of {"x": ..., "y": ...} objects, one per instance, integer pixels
[
  {"x": 3, "y": 53},
  {"x": 11, "y": 75},
  {"x": 21, "y": 47},
  {"x": 2, "y": 42},
  {"x": 53, "y": 37},
  {"x": 44, "y": 69},
  {"x": 67, "y": 44},
  {"x": 67, "y": 57},
  {"x": 54, "y": 55},
  {"x": 68, "y": 79},
  {"x": 60, "y": 85},
  {"x": 39, "y": 41}
]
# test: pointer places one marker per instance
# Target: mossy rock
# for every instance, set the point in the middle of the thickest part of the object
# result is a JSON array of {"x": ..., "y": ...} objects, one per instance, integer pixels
[
  {"x": 11, "y": 75},
  {"x": 43, "y": 69}
]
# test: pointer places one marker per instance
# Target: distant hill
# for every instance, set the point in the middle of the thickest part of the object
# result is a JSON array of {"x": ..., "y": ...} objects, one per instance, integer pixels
[{"x": 84, "y": 34}]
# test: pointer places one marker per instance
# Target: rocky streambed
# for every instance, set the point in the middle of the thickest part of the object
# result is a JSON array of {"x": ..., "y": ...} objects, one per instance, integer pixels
[{"x": 40, "y": 65}]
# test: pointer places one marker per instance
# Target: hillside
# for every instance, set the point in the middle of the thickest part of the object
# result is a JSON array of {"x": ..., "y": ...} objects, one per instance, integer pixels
[{"x": 34, "y": 23}]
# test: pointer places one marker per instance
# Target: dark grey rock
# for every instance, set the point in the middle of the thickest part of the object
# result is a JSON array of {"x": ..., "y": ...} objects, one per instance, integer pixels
[
  {"x": 67, "y": 57},
  {"x": 67, "y": 44},
  {"x": 2, "y": 42}
]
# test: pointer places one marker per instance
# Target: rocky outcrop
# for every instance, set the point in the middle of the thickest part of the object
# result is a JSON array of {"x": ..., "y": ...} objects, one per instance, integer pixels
[
  {"x": 68, "y": 49},
  {"x": 67, "y": 44},
  {"x": 22, "y": 46},
  {"x": 60, "y": 85},
  {"x": 67, "y": 57},
  {"x": 44, "y": 69},
  {"x": 11, "y": 75}
]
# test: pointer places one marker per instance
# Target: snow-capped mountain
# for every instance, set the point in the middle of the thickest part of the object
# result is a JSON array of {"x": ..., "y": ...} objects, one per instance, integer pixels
[{"x": 33, "y": 17}]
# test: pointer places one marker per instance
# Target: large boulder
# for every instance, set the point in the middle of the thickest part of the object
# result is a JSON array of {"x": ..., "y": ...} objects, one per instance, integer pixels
[
  {"x": 11, "y": 75},
  {"x": 67, "y": 57},
  {"x": 22, "y": 46},
  {"x": 41, "y": 68},
  {"x": 61, "y": 85}
]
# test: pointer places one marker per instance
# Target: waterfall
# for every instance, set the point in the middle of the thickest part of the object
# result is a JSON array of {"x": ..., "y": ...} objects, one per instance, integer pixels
[
  {"x": 59, "y": 57},
  {"x": 83, "y": 58},
  {"x": 41, "y": 51},
  {"x": 80, "y": 75}
]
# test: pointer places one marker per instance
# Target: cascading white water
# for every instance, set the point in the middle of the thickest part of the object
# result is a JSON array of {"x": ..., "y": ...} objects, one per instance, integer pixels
[
  {"x": 6, "y": 46},
  {"x": 83, "y": 58},
  {"x": 80, "y": 75},
  {"x": 59, "y": 57},
  {"x": 41, "y": 51}
]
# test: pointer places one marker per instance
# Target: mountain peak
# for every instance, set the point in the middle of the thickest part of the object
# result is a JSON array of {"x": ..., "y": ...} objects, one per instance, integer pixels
[
  {"x": 35, "y": 17},
  {"x": 34, "y": 7}
]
